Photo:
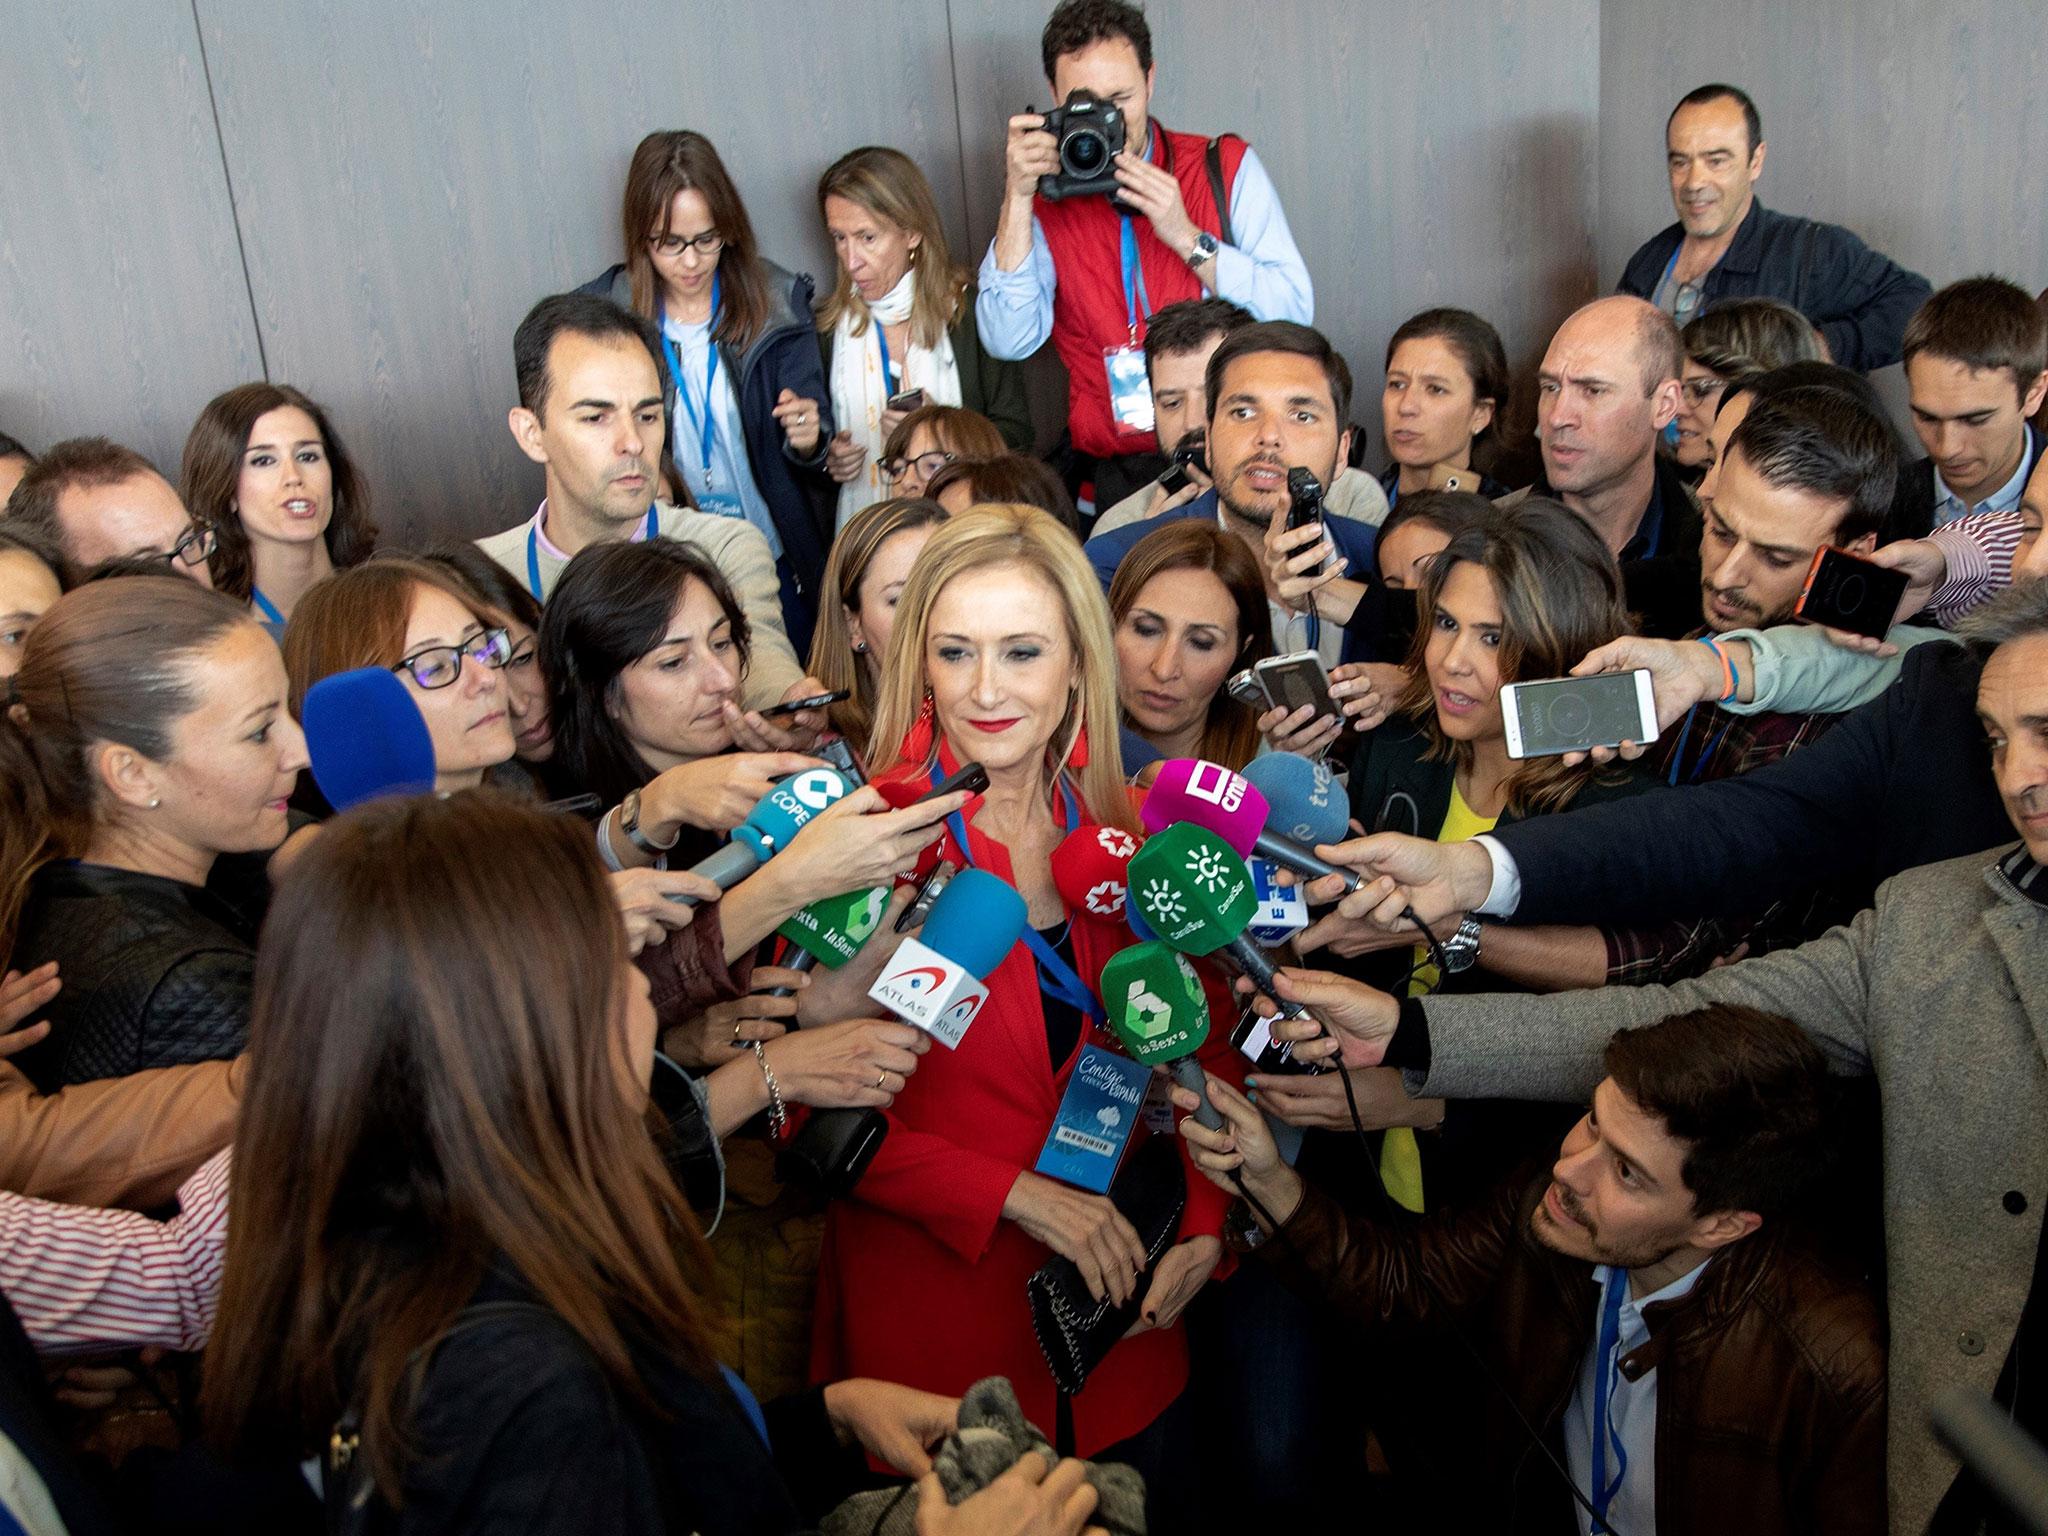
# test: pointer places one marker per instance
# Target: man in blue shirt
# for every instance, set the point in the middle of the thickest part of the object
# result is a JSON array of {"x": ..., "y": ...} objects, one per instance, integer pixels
[{"x": 1727, "y": 245}]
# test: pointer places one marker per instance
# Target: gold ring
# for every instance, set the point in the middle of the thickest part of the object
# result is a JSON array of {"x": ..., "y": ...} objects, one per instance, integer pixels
[
  {"x": 882, "y": 1080},
  {"x": 736, "y": 1025}
]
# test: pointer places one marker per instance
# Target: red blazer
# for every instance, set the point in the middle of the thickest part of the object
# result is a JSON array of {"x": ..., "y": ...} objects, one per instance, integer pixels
[{"x": 921, "y": 1281}]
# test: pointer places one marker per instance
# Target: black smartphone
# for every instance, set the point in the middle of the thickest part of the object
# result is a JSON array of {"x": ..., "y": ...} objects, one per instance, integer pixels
[
  {"x": 907, "y": 401},
  {"x": 1844, "y": 592},
  {"x": 1304, "y": 499},
  {"x": 971, "y": 777},
  {"x": 1254, "y": 1040},
  {"x": 815, "y": 701},
  {"x": 1193, "y": 450}
]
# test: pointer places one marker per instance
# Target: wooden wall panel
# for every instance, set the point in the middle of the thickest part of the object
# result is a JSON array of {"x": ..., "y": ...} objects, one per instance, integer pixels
[{"x": 122, "y": 303}]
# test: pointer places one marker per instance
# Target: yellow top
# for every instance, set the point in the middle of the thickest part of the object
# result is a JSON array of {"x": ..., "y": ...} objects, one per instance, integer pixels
[{"x": 1461, "y": 825}]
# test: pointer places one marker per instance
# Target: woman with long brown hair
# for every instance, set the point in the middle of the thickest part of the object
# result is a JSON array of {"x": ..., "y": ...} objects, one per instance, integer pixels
[
  {"x": 749, "y": 416},
  {"x": 1189, "y": 606},
  {"x": 864, "y": 579},
  {"x": 455, "y": 1246},
  {"x": 266, "y": 471},
  {"x": 145, "y": 748},
  {"x": 899, "y": 320}
]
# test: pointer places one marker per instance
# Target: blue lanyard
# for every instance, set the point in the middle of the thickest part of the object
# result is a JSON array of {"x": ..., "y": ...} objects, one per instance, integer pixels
[
  {"x": 706, "y": 422},
  {"x": 651, "y": 529},
  {"x": 882, "y": 341},
  {"x": 1604, "y": 1367},
  {"x": 1136, "y": 300},
  {"x": 1058, "y": 978},
  {"x": 266, "y": 606},
  {"x": 1706, "y": 753}
]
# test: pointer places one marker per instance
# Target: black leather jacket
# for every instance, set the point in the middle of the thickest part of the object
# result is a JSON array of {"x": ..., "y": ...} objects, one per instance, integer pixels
[{"x": 155, "y": 973}]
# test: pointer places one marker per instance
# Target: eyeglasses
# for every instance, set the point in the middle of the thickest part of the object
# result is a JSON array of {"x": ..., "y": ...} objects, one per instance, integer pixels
[
  {"x": 439, "y": 665},
  {"x": 710, "y": 243},
  {"x": 926, "y": 465},
  {"x": 1700, "y": 391},
  {"x": 196, "y": 545}
]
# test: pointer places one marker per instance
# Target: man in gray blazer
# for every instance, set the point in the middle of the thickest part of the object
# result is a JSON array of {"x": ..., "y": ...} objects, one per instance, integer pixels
[{"x": 1940, "y": 990}]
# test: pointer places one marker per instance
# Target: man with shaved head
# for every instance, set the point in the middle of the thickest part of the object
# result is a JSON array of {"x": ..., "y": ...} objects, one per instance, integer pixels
[{"x": 1607, "y": 388}]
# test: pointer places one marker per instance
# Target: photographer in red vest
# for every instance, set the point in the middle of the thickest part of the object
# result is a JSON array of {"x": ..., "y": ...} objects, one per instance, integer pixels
[{"x": 1132, "y": 217}]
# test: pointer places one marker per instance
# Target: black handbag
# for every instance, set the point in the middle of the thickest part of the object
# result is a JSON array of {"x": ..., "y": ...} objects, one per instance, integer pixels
[{"x": 1075, "y": 1331}]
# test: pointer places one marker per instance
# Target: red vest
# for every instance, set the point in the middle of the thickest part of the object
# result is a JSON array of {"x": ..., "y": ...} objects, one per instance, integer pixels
[{"x": 1089, "y": 315}]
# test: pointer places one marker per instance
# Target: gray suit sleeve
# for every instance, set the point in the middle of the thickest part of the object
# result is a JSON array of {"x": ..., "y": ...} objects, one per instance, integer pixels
[{"x": 1533, "y": 1047}]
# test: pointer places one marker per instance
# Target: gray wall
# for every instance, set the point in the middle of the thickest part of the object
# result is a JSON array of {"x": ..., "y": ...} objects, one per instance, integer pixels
[{"x": 361, "y": 197}]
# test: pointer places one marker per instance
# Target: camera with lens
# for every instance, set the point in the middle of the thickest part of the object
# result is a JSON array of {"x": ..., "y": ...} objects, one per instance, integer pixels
[{"x": 1090, "y": 132}]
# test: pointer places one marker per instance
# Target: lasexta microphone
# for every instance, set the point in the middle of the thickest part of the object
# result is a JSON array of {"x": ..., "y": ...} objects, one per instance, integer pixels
[
  {"x": 1092, "y": 870},
  {"x": 935, "y": 981},
  {"x": 1209, "y": 795},
  {"x": 1160, "y": 1013},
  {"x": 366, "y": 738}
]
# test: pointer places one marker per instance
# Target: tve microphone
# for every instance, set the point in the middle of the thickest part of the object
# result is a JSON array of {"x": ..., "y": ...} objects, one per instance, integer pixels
[
  {"x": 1304, "y": 801},
  {"x": 935, "y": 981},
  {"x": 366, "y": 738},
  {"x": 1192, "y": 789},
  {"x": 1159, "y": 1012},
  {"x": 1092, "y": 869},
  {"x": 770, "y": 827}
]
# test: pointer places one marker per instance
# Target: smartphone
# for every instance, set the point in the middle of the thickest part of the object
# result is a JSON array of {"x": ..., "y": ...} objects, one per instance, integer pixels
[
  {"x": 1254, "y": 1040},
  {"x": 1571, "y": 714},
  {"x": 1296, "y": 679},
  {"x": 1247, "y": 689},
  {"x": 1193, "y": 450},
  {"x": 907, "y": 401},
  {"x": 1844, "y": 592},
  {"x": 838, "y": 751},
  {"x": 815, "y": 701}
]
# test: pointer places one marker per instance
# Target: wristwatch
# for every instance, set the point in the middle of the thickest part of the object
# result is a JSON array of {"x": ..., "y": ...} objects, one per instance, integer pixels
[
  {"x": 629, "y": 823},
  {"x": 1206, "y": 247},
  {"x": 1461, "y": 949}
]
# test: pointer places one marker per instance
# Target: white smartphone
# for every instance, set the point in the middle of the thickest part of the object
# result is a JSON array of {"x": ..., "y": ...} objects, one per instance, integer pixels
[{"x": 1572, "y": 714}]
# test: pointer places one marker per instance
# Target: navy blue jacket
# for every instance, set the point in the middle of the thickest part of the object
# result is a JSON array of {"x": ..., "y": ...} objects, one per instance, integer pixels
[
  {"x": 784, "y": 356},
  {"x": 1860, "y": 299},
  {"x": 1355, "y": 541}
]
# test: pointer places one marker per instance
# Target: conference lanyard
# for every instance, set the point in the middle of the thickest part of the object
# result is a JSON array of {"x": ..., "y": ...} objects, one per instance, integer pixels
[
  {"x": 1136, "y": 300},
  {"x": 1707, "y": 752},
  {"x": 648, "y": 530},
  {"x": 706, "y": 422},
  {"x": 1058, "y": 978},
  {"x": 1604, "y": 1367},
  {"x": 882, "y": 341},
  {"x": 266, "y": 607}
]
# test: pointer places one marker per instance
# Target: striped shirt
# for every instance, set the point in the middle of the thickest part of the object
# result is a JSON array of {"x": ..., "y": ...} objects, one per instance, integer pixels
[{"x": 83, "y": 1280}]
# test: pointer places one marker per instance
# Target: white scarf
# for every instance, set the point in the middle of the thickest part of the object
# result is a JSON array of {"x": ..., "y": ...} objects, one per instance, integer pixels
[{"x": 860, "y": 394}]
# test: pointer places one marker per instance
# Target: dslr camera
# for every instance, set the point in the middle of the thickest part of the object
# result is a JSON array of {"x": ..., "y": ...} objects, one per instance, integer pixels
[{"x": 1090, "y": 132}]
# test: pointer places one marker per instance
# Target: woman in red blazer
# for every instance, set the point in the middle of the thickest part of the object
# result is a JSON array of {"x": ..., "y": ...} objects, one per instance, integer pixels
[{"x": 1001, "y": 654}]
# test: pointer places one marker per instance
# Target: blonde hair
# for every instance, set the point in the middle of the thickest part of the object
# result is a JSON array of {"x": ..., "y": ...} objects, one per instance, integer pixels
[
  {"x": 833, "y": 662},
  {"x": 887, "y": 184},
  {"x": 1002, "y": 533}
]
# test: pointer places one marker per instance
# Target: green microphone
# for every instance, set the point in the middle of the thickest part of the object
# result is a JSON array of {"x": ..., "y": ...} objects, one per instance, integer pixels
[
  {"x": 1197, "y": 895},
  {"x": 1160, "y": 1013},
  {"x": 831, "y": 931}
]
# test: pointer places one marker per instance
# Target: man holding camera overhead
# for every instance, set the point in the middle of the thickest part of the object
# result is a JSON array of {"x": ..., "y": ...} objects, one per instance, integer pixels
[{"x": 1108, "y": 216}]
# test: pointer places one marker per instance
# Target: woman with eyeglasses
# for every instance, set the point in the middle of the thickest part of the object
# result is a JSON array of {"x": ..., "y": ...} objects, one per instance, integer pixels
[
  {"x": 931, "y": 437},
  {"x": 900, "y": 321},
  {"x": 1730, "y": 343},
  {"x": 526, "y": 691},
  {"x": 146, "y": 757},
  {"x": 749, "y": 417},
  {"x": 265, "y": 470}
]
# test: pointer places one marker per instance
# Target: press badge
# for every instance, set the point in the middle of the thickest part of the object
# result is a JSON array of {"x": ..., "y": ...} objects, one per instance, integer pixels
[
  {"x": 720, "y": 506},
  {"x": 1130, "y": 393}
]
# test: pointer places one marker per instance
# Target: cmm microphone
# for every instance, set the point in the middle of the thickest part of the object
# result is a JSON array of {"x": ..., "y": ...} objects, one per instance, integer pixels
[
  {"x": 366, "y": 738},
  {"x": 1159, "y": 1012},
  {"x": 935, "y": 981},
  {"x": 1092, "y": 870},
  {"x": 1193, "y": 789}
]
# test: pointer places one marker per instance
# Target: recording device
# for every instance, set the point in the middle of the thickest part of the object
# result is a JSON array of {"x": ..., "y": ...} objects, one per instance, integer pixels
[
  {"x": 1573, "y": 714},
  {"x": 770, "y": 826},
  {"x": 1193, "y": 792},
  {"x": 1090, "y": 132},
  {"x": 838, "y": 751},
  {"x": 1844, "y": 592},
  {"x": 1193, "y": 451},
  {"x": 815, "y": 701},
  {"x": 907, "y": 400},
  {"x": 1092, "y": 870},
  {"x": 366, "y": 738},
  {"x": 1304, "y": 502},
  {"x": 1296, "y": 679},
  {"x": 1197, "y": 895},
  {"x": 935, "y": 981},
  {"x": 1161, "y": 1015}
]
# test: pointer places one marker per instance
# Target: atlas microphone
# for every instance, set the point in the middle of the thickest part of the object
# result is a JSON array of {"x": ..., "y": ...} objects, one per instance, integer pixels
[
  {"x": 1211, "y": 796},
  {"x": 366, "y": 738},
  {"x": 935, "y": 981},
  {"x": 1160, "y": 1013}
]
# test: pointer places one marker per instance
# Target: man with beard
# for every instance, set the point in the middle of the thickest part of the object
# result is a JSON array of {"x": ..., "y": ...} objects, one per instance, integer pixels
[
  {"x": 1647, "y": 1305},
  {"x": 1278, "y": 398}
]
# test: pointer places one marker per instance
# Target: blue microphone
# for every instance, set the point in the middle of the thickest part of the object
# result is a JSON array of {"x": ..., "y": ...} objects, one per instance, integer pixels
[
  {"x": 770, "y": 827},
  {"x": 1304, "y": 801},
  {"x": 934, "y": 981},
  {"x": 366, "y": 738}
]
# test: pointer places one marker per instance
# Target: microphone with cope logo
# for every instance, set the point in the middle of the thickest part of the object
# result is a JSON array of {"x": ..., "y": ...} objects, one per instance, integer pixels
[
  {"x": 1161, "y": 1015},
  {"x": 1209, "y": 795},
  {"x": 935, "y": 981},
  {"x": 366, "y": 738},
  {"x": 771, "y": 826},
  {"x": 1092, "y": 869}
]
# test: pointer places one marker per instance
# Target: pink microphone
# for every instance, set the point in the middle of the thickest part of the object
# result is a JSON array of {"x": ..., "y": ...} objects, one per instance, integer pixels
[
  {"x": 1210, "y": 796},
  {"x": 1092, "y": 869}
]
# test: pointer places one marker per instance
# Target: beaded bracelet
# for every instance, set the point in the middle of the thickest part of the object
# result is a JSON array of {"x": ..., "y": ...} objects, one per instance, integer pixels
[{"x": 778, "y": 1117}]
